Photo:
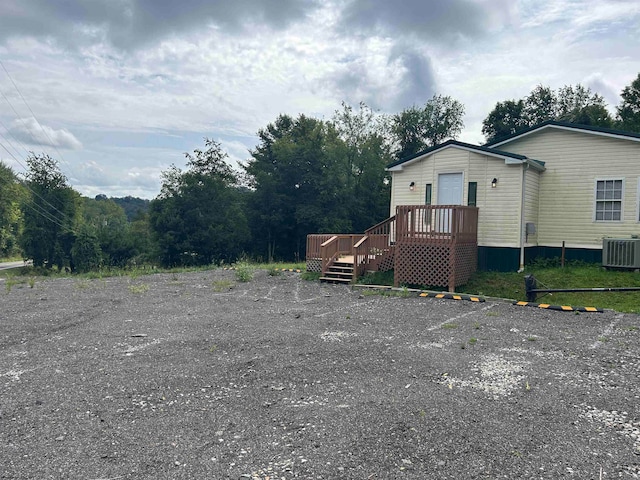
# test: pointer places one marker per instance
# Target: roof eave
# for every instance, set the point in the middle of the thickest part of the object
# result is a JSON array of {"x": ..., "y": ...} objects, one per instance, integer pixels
[
  {"x": 515, "y": 158},
  {"x": 571, "y": 128}
]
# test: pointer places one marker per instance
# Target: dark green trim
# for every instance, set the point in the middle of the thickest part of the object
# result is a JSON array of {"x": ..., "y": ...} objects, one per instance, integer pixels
[
  {"x": 502, "y": 259},
  {"x": 587, "y": 255},
  {"x": 498, "y": 259},
  {"x": 428, "y": 188},
  {"x": 472, "y": 194},
  {"x": 455, "y": 143}
]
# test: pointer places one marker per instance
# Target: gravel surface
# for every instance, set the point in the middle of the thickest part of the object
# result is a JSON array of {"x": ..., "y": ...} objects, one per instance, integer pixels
[{"x": 196, "y": 376}]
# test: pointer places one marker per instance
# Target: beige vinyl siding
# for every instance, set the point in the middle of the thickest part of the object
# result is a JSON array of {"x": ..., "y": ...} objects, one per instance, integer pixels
[
  {"x": 499, "y": 208},
  {"x": 532, "y": 198},
  {"x": 499, "y": 214},
  {"x": 574, "y": 161},
  {"x": 400, "y": 193}
]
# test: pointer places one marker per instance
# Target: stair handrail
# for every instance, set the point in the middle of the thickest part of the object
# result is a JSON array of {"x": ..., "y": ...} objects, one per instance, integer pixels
[
  {"x": 329, "y": 251},
  {"x": 360, "y": 257},
  {"x": 372, "y": 230},
  {"x": 381, "y": 236}
]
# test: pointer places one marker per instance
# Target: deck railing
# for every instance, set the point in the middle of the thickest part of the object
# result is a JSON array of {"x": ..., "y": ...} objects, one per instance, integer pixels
[
  {"x": 416, "y": 230},
  {"x": 360, "y": 256},
  {"x": 329, "y": 252},
  {"x": 383, "y": 234},
  {"x": 376, "y": 242},
  {"x": 314, "y": 243},
  {"x": 335, "y": 247},
  {"x": 436, "y": 224}
]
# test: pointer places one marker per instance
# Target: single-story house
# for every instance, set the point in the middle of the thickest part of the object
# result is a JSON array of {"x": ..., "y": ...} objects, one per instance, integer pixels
[
  {"x": 556, "y": 188},
  {"x": 553, "y": 183}
]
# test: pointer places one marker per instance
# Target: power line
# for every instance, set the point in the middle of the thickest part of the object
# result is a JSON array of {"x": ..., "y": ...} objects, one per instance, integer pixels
[
  {"x": 39, "y": 209},
  {"x": 51, "y": 142},
  {"x": 9, "y": 141},
  {"x": 64, "y": 216},
  {"x": 43, "y": 213}
]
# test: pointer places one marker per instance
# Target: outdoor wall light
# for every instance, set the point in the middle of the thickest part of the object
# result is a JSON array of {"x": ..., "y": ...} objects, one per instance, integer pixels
[
  {"x": 412, "y": 186},
  {"x": 494, "y": 183}
]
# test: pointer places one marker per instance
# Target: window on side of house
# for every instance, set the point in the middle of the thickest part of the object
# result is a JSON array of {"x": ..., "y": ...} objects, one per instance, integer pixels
[
  {"x": 427, "y": 201},
  {"x": 472, "y": 194},
  {"x": 609, "y": 195}
]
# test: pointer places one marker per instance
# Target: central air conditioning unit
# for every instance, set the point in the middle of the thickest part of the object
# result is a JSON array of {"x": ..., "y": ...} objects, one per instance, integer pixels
[{"x": 621, "y": 252}]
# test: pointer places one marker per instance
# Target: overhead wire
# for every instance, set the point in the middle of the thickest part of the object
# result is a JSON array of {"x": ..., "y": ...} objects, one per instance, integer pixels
[
  {"x": 47, "y": 215},
  {"x": 34, "y": 206},
  {"x": 7, "y": 140},
  {"x": 51, "y": 142}
]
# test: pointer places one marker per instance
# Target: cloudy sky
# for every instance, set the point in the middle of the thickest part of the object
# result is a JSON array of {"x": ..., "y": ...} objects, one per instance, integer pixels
[{"x": 118, "y": 90}]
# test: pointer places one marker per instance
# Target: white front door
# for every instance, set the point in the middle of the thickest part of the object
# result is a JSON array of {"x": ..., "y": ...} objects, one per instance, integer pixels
[
  {"x": 450, "y": 189},
  {"x": 449, "y": 193}
]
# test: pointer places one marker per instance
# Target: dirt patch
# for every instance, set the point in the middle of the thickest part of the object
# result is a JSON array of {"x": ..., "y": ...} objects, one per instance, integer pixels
[{"x": 197, "y": 376}]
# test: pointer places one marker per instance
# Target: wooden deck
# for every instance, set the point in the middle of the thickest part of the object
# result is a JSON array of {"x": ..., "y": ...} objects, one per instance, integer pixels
[{"x": 434, "y": 245}]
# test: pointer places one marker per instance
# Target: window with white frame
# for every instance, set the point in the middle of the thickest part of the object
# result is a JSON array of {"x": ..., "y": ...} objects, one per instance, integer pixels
[{"x": 609, "y": 200}]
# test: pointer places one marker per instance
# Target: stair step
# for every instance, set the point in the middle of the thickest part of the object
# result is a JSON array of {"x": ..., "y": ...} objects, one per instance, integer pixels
[
  {"x": 335, "y": 280},
  {"x": 338, "y": 274},
  {"x": 335, "y": 268}
]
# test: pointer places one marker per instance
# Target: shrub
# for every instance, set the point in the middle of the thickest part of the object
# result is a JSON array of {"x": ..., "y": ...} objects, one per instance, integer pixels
[{"x": 244, "y": 272}]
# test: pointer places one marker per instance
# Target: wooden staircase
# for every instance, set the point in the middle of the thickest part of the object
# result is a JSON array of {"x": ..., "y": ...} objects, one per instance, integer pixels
[{"x": 340, "y": 271}]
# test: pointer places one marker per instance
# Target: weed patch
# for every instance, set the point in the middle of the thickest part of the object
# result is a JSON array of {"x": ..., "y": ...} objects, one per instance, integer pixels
[
  {"x": 311, "y": 276},
  {"x": 222, "y": 285},
  {"x": 139, "y": 288},
  {"x": 244, "y": 271}
]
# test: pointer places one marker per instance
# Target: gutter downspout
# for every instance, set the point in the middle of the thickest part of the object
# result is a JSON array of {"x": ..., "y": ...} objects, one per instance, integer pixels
[{"x": 523, "y": 220}]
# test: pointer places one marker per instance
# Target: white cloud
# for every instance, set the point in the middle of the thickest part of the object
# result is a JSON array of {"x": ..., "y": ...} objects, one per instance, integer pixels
[
  {"x": 226, "y": 69},
  {"x": 33, "y": 133}
]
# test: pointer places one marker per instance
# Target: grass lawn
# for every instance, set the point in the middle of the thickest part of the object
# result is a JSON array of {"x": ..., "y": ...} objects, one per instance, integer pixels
[{"x": 511, "y": 285}]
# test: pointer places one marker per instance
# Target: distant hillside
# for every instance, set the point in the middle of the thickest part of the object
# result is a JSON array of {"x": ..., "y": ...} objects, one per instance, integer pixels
[{"x": 132, "y": 206}]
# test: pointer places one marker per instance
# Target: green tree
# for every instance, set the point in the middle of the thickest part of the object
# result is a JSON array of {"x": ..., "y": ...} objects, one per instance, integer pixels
[
  {"x": 51, "y": 214},
  {"x": 198, "y": 218},
  {"x": 540, "y": 105},
  {"x": 368, "y": 152},
  {"x": 299, "y": 174},
  {"x": 111, "y": 228},
  {"x": 11, "y": 193},
  {"x": 572, "y": 104},
  {"x": 86, "y": 252},
  {"x": 141, "y": 238},
  {"x": 416, "y": 129},
  {"x": 628, "y": 112},
  {"x": 505, "y": 119},
  {"x": 132, "y": 206},
  {"x": 579, "y": 105}
]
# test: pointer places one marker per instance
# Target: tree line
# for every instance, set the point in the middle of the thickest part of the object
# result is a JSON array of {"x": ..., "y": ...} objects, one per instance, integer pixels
[
  {"x": 305, "y": 175},
  {"x": 571, "y": 104}
]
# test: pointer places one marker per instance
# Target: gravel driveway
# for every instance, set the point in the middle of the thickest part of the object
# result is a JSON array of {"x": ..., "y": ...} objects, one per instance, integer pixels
[{"x": 196, "y": 376}]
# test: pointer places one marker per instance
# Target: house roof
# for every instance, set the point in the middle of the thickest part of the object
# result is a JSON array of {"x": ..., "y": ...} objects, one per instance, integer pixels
[
  {"x": 553, "y": 124},
  {"x": 508, "y": 157}
]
